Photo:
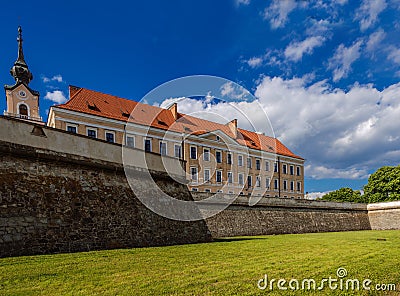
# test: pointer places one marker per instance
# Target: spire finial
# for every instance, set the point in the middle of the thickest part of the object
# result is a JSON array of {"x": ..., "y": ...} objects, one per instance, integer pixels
[
  {"x": 20, "y": 51},
  {"x": 20, "y": 70}
]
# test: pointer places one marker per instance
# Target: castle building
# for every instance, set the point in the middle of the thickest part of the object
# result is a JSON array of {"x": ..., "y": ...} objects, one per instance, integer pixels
[
  {"x": 22, "y": 101},
  {"x": 219, "y": 157}
]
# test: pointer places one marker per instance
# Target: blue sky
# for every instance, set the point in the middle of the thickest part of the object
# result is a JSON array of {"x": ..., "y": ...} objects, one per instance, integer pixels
[{"x": 326, "y": 72}]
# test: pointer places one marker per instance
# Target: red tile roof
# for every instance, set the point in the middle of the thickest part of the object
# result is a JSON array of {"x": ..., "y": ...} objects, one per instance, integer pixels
[{"x": 112, "y": 107}]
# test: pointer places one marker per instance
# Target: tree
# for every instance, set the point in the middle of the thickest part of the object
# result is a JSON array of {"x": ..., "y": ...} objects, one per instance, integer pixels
[
  {"x": 383, "y": 185},
  {"x": 345, "y": 195}
]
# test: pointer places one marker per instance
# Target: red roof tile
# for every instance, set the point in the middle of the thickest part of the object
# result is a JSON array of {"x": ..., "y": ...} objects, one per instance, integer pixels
[{"x": 112, "y": 107}]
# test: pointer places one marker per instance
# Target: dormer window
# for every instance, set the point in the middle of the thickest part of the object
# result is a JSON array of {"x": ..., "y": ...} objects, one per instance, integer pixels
[
  {"x": 92, "y": 106},
  {"x": 125, "y": 114}
]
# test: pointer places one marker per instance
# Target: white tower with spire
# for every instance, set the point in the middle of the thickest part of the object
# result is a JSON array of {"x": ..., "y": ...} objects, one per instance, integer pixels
[{"x": 22, "y": 101}]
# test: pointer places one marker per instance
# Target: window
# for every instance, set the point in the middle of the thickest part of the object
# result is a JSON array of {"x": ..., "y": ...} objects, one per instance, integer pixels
[
  {"x": 177, "y": 150},
  {"x": 276, "y": 184},
  {"x": 258, "y": 181},
  {"x": 267, "y": 166},
  {"x": 298, "y": 172},
  {"x": 220, "y": 191},
  {"x": 291, "y": 170},
  {"x": 23, "y": 110},
  {"x": 110, "y": 137},
  {"x": 217, "y": 138},
  {"x": 275, "y": 167},
  {"x": 193, "y": 173},
  {"x": 206, "y": 175},
  {"x": 207, "y": 190},
  {"x": 299, "y": 186},
  {"x": 285, "y": 185},
  {"x": 230, "y": 178},
  {"x": 218, "y": 156},
  {"x": 249, "y": 162},
  {"x": 258, "y": 164},
  {"x": 92, "y": 133},
  {"x": 163, "y": 148},
  {"x": 284, "y": 168},
  {"x": 249, "y": 181},
  {"x": 130, "y": 141},
  {"x": 229, "y": 158},
  {"x": 195, "y": 189},
  {"x": 219, "y": 176},
  {"x": 206, "y": 154},
  {"x": 147, "y": 145},
  {"x": 291, "y": 186},
  {"x": 230, "y": 192},
  {"x": 241, "y": 179},
  {"x": 71, "y": 129},
  {"x": 193, "y": 152},
  {"x": 267, "y": 183},
  {"x": 240, "y": 160}
]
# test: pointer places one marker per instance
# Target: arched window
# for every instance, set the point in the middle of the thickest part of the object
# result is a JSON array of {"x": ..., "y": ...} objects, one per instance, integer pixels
[{"x": 23, "y": 110}]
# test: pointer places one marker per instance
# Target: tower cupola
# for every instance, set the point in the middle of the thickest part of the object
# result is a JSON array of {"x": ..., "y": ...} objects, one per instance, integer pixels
[{"x": 20, "y": 70}]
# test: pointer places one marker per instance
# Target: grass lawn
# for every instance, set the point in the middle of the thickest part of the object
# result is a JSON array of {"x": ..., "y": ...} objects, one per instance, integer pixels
[{"x": 229, "y": 266}]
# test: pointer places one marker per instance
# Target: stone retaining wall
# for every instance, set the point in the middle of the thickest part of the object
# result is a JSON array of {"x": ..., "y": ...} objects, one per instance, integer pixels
[
  {"x": 385, "y": 215},
  {"x": 55, "y": 201},
  {"x": 279, "y": 216}
]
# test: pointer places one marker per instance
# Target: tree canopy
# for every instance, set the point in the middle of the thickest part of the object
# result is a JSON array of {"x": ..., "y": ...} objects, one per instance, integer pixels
[
  {"x": 344, "y": 195},
  {"x": 383, "y": 185}
]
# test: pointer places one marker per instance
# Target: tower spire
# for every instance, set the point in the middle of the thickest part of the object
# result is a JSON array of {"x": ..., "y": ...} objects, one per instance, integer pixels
[
  {"x": 20, "y": 50},
  {"x": 20, "y": 70}
]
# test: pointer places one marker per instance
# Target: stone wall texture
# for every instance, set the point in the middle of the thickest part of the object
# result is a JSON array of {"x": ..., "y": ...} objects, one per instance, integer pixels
[
  {"x": 279, "y": 216},
  {"x": 51, "y": 203},
  {"x": 385, "y": 215}
]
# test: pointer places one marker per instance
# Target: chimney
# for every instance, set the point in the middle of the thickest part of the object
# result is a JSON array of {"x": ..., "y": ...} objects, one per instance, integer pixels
[
  {"x": 73, "y": 90},
  {"x": 233, "y": 127},
  {"x": 174, "y": 110}
]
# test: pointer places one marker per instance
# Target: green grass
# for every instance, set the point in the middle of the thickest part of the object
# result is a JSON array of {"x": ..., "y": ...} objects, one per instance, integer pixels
[{"x": 225, "y": 267}]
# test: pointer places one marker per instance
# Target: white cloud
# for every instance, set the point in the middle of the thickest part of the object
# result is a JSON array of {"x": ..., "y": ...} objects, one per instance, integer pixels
[
  {"x": 367, "y": 14},
  {"x": 322, "y": 172},
  {"x": 318, "y": 27},
  {"x": 343, "y": 58},
  {"x": 296, "y": 50},
  {"x": 394, "y": 55},
  {"x": 315, "y": 195},
  {"x": 56, "y": 96},
  {"x": 232, "y": 90},
  {"x": 277, "y": 13},
  {"x": 255, "y": 62},
  {"x": 341, "y": 134},
  {"x": 57, "y": 78},
  {"x": 375, "y": 39},
  {"x": 340, "y": 2},
  {"x": 242, "y": 2}
]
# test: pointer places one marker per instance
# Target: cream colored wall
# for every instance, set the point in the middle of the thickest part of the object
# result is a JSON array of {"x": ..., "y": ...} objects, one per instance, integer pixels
[{"x": 30, "y": 100}]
